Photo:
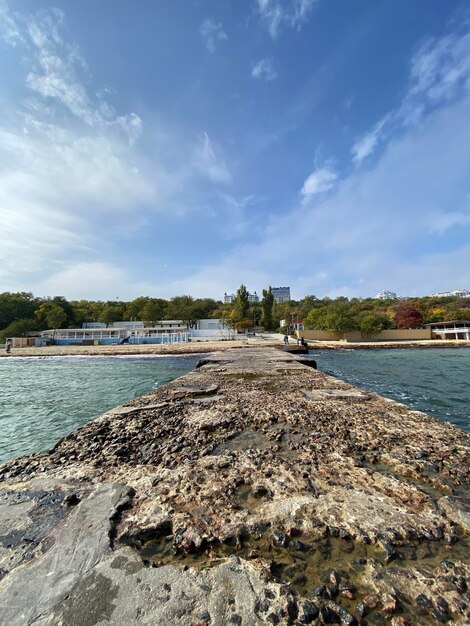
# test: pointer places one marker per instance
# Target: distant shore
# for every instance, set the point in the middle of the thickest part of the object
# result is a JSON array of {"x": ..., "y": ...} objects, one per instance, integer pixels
[
  {"x": 212, "y": 346},
  {"x": 432, "y": 343},
  {"x": 196, "y": 347}
]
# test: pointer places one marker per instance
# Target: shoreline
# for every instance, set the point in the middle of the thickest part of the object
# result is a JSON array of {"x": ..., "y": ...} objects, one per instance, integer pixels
[
  {"x": 204, "y": 347},
  {"x": 373, "y": 345}
]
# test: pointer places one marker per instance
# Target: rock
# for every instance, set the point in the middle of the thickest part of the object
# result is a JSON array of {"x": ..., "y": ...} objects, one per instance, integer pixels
[
  {"x": 423, "y": 601},
  {"x": 344, "y": 616},
  {"x": 310, "y": 612},
  {"x": 371, "y": 602},
  {"x": 389, "y": 603},
  {"x": 280, "y": 538}
]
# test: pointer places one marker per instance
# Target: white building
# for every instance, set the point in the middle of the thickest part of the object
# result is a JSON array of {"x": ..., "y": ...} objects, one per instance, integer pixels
[
  {"x": 457, "y": 329},
  {"x": 170, "y": 331},
  {"x": 211, "y": 330},
  {"x": 457, "y": 293},
  {"x": 386, "y": 295},
  {"x": 229, "y": 298}
]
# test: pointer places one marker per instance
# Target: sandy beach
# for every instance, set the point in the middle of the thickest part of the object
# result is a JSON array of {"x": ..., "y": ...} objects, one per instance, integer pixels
[{"x": 198, "y": 347}]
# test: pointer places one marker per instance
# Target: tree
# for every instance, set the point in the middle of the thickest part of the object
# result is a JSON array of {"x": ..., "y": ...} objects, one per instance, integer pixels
[
  {"x": 51, "y": 315},
  {"x": 18, "y": 328},
  {"x": 181, "y": 308},
  {"x": 134, "y": 308},
  {"x": 372, "y": 323},
  {"x": 153, "y": 310},
  {"x": 335, "y": 317},
  {"x": 407, "y": 316},
  {"x": 306, "y": 305},
  {"x": 56, "y": 317},
  {"x": 458, "y": 314},
  {"x": 241, "y": 305},
  {"x": 109, "y": 314},
  {"x": 16, "y": 306},
  {"x": 203, "y": 308},
  {"x": 267, "y": 304}
]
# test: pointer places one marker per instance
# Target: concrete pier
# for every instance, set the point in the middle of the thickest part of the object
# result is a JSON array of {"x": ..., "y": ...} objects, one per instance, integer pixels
[{"x": 254, "y": 490}]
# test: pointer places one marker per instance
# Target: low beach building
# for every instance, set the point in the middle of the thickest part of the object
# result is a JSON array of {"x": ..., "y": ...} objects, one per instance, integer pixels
[
  {"x": 457, "y": 329},
  {"x": 113, "y": 335},
  {"x": 164, "y": 331}
]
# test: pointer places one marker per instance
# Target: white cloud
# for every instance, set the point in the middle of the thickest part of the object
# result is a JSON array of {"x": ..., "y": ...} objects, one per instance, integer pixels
[
  {"x": 439, "y": 72},
  {"x": 264, "y": 69},
  {"x": 209, "y": 164},
  {"x": 441, "y": 222},
  {"x": 367, "y": 144},
  {"x": 212, "y": 33},
  {"x": 8, "y": 27},
  {"x": 292, "y": 13},
  {"x": 72, "y": 177},
  {"x": 98, "y": 280},
  {"x": 59, "y": 74},
  {"x": 320, "y": 180},
  {"x": 301, "y": 11},
  {"x": 382, "y": 227}
]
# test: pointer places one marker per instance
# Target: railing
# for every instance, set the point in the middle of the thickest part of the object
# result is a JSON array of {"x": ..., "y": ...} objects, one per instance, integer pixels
[{"x": 461, "y": 329}]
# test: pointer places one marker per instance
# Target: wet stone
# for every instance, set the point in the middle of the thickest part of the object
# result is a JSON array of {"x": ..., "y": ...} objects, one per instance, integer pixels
[
  {"x": 442, "y": 618},
  {"x": 310, "y": 612},
  {"x": 280, "y": 538},
  {"x": 423, "y": 601}
]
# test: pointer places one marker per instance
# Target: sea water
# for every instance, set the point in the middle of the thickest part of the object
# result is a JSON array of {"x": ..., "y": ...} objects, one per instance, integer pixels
[
  {"x": 43, "y": 399},
  {"x": 433, "y": 380}
]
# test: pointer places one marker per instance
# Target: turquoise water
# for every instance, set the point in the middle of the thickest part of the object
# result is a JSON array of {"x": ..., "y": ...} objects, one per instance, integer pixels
[
  {"x": 434, "y": 380},
  {"x": 42, "y": 400}
]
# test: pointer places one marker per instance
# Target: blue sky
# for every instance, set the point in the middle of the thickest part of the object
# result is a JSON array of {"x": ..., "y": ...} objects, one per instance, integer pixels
[{"x": 161, "y": 148}]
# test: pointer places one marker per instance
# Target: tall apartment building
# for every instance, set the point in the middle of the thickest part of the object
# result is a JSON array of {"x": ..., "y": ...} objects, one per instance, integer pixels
[{"x": 281, "y": 294}]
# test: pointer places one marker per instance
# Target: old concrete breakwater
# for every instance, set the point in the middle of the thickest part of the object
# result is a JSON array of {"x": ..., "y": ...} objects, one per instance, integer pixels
[{"x": 254, "y": 490}]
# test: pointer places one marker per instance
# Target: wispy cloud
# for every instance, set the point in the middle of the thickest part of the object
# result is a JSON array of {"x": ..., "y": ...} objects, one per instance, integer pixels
[
  {"x": 368, "y": 142},
  {"x": 212, "y": 33},
  {"x": 59, "y": 73},
  {"x": 320, "y": 180},
  {"x": 439, "y": 72},
  {"x": 264, "y": 69},
  {"x": 9, "y": 29},
  {"x": 440, "y": 222},
  {"x": 379, "y": 228},
  {"x": 209, "y": 164},
  {"x": 292, "y": 13},
  {"x": 71, "y": 167}
]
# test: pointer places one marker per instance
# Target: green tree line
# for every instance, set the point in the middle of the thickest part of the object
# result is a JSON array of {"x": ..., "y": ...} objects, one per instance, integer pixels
[{"x": 22, "y": 313}]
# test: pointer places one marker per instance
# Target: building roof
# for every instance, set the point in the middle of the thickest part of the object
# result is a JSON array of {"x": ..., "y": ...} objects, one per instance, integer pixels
[{"x": 449, "y": 323}]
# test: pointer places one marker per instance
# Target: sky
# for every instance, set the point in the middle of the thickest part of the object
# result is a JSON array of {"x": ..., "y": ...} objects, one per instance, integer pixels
[{"x": 163, "y": 148}]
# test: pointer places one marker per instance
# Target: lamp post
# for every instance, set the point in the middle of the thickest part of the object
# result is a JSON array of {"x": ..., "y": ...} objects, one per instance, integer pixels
[{"x": 292, "y": 325}]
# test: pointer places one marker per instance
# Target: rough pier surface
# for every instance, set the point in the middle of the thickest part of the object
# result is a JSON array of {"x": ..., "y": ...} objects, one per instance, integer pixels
[{"x": 254, "y": 490}]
